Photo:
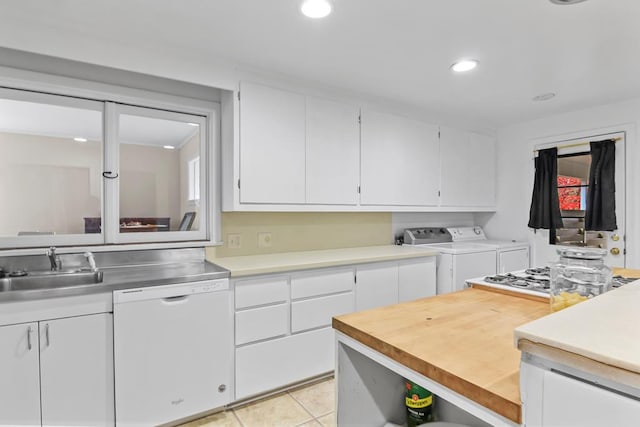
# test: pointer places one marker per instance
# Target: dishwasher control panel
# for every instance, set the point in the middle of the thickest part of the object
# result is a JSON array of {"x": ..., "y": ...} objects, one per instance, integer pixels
[{"x": 170, "y": 291}]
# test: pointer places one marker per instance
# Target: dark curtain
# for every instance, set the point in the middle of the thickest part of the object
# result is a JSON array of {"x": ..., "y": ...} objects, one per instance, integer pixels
[
  {"x": 545, "y": 207},
  {"x": 601, "y": 197}
]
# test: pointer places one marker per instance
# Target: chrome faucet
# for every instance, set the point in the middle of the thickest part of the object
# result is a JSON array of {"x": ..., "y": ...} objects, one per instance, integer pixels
[
  {"x": 56, "y": 263},
  {"x": 91, "y": 260}
]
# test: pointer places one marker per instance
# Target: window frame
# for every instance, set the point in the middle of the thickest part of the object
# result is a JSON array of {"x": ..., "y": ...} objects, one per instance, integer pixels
[
  {"x": 40, "y": 85},
  {"x": 44, "y": 240},
  {"x": 578, "y": 213},
  {"x": 113, "y": 234}
]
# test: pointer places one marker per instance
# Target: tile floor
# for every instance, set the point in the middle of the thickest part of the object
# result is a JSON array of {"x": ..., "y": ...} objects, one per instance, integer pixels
[{"x": 310, "y": 405}]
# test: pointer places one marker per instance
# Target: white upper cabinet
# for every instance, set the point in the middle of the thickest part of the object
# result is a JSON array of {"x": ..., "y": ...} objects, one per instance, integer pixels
[
  {"x": 399, "y": 161},
  {"x": 467, "y": 169},
  {"x": 288, "y": 151},
  {"x": 272, "y": 145},
  {"x": 332, "y": 152}
]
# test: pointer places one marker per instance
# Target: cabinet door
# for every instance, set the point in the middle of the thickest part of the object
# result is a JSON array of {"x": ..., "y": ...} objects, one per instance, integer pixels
[
  {"x": 272, "y": 145},
  {"x": 20, "y": 384},
  {"x": 275, "y": 363},
  {"x": 416, "y": 279},
  {"x": 569, "y": 402},
  {"x": 332, "y": 148},
  {"x": 76, "y": 370},
  {"x": 376, "y": 286},
  {"x": 467, "y": 169},
  {"x": 399, "y": 161}
]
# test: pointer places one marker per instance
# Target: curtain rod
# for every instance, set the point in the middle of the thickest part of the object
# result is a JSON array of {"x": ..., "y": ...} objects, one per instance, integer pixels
[{"x": 577, "y": 144}]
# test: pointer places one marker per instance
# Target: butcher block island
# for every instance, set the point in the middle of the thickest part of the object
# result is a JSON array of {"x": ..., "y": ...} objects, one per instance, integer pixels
[{"x": 459, "y": 346}]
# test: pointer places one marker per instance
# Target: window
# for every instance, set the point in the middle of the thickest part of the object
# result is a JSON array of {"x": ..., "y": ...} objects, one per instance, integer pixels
[
  {"x": 573, "y": 183},
  {"x": 194, "y": 179},
  {"x": 76, "y": 172}
]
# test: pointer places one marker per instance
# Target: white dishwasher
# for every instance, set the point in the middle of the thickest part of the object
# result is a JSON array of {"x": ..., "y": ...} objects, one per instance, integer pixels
[{"x": 173, "y": 351}]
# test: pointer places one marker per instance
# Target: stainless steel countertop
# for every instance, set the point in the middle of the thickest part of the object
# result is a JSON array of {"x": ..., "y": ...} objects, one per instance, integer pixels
[{"x": 126, "y": 277}]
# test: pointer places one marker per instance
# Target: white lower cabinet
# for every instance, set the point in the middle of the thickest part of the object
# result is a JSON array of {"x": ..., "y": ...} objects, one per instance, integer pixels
[
  {"x": 551, "y": 398},
  {"x": 416, "y": 279},
  {"x": 376, "y": 285},
  {"x": 76, "y": 370},
  {"x": 58, "y": 372},
  {"x": 19, "y": 370},
  {"x": 283, "y": 322},
  {"x": 275, "y": 363}
]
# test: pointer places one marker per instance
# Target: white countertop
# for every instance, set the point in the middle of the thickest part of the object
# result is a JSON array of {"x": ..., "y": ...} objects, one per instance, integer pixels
[
  {"x": 604, "y": 329},
  {"x": 286, "y": 261}
]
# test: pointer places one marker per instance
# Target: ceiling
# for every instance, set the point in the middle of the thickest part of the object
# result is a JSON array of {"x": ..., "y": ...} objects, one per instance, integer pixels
[{"x": 397, "y": 50}]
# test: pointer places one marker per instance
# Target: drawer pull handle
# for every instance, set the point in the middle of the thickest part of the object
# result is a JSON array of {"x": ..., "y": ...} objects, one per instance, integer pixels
[
  {"x": 175, "y": 299},
  {"x": 46, "y": 334}
]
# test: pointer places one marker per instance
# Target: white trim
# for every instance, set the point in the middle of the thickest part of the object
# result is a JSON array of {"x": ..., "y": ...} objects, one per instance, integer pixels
[
  {"x": 110, "y": 248},
  {"x": 71, "y": 87},
  {"x": 194, "y": 235}
]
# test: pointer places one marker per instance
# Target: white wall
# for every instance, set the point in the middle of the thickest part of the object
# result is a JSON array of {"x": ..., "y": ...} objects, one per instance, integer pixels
[
  {"x": 48, "y": 184},
  {"x": 515, "y": 171}
]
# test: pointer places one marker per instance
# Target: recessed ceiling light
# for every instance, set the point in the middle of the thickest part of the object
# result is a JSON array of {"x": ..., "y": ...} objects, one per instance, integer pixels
[
  {"x": 544, "y": 96},
  {"x": 78, "y": 139},
  {"x": 464, "y": 65},
  {"x": 566, "y": 1},
  {"x": 168, "y": 147},
  {"x": 193, "y": 124},
  {"x": 316, "y": 8}
]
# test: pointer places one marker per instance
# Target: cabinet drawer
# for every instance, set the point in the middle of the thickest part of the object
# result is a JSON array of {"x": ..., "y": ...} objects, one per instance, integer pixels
[
  {"x": 261, "y": 323},
  {"x": 275, "y": 363},
  {"x": 321, "y": 283},
  {"x": 250, "y": 293},
  {"x": 316, "y": 312}
]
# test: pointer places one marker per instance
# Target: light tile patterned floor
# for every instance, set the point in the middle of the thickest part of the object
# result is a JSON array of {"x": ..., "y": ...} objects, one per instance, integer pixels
[{"x": 311, "y": 405}]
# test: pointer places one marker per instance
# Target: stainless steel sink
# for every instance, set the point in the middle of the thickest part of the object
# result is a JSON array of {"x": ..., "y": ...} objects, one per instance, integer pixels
[{"x": 50, "y": 280}]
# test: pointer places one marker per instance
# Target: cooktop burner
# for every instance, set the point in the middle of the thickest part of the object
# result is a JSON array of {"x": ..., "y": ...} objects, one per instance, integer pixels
[
  {"x": 539, "y": 271},
  {"x": 538, "y": 279},
  {"x": 525, "y": 281}
]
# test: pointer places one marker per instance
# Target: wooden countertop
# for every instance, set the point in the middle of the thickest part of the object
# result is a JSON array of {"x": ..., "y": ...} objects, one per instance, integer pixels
[
  {"x": 274, "y": 263},
  {"x": 462, "y": 340}
]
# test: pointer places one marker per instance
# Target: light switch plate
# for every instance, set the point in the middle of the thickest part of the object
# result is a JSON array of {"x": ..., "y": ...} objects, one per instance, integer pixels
[{"x": 234, "y": 241}]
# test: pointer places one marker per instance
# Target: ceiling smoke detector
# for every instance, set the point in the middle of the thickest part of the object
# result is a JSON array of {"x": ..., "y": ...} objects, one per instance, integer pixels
[{"x": 565, "y": 2}]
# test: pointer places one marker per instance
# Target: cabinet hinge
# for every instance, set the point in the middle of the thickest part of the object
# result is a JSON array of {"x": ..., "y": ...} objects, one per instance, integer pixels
[
  {"x": 238, "y": 95},
  {"x": 238, "y": 184}
]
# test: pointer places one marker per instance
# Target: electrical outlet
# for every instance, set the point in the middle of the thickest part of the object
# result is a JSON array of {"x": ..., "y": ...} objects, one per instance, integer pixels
[
  {"x": 234, "y": 241},
  {"x": 264, "y": 240}
]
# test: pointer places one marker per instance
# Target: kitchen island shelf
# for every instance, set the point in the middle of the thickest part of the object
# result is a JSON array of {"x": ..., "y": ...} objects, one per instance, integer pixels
[{"x": 460, "y": 344}]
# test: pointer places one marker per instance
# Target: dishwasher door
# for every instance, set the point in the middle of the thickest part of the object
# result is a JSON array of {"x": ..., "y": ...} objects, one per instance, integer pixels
[{"x": 173, "y": 351}]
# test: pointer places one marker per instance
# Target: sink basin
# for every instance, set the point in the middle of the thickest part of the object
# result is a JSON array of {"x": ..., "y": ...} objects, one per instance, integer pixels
[{"x": 50, "y": 280}]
